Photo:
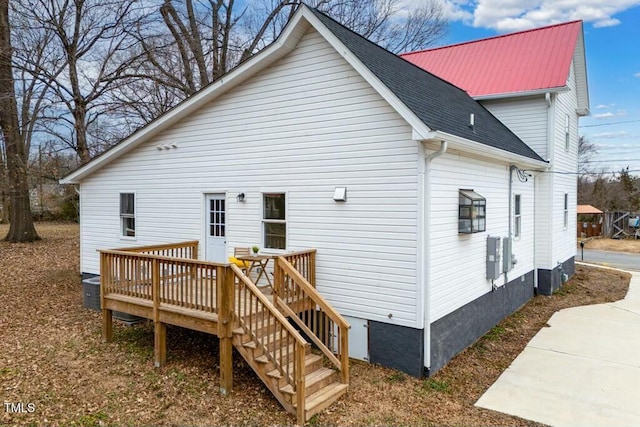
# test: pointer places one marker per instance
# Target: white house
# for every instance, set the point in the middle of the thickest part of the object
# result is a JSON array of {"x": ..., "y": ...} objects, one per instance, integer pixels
[
  {"x": 536, "y": 83},
  {"x": 431, "y": 179}
]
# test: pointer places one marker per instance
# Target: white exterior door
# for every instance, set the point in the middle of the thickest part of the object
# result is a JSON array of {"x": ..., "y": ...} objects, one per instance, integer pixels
[{"x": 216, "y": 228}]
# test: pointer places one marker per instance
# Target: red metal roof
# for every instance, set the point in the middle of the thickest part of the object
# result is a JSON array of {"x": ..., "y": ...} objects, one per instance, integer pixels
[{"x": 527, "y": 61}]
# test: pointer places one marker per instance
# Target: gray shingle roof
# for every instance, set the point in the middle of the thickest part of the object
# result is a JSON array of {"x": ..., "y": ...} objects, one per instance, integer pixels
[{"x": 438, "y": 103}]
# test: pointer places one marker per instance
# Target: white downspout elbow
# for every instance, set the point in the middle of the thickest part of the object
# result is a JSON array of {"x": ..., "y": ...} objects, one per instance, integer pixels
[{"x": 440, "y": 152}]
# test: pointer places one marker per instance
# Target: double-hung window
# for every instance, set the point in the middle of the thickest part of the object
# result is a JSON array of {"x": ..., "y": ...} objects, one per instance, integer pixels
[
  {"x": 566, "y": 210},
  {"x": 128, "y": 214},
  {"x": 567, "y": 132},
  {"x": 274, "y": 220},
  {"x": 517, "y": 216}
]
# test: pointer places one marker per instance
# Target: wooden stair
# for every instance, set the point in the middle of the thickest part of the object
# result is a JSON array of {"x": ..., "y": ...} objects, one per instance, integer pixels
[{"x": 322, "y": 384}]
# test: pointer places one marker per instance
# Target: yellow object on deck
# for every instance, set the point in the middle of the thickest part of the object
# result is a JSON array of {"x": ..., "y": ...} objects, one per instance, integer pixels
[{"x": 242, "y": 264}]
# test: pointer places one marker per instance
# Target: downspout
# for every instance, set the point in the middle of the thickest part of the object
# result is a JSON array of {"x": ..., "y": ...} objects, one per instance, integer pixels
[
  {"x": 426, "y": 265},
  {"x": 510, "y": 233}
]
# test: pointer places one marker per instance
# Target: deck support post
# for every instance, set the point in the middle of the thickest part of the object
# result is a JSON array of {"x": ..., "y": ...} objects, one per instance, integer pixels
[
  {"x": 107, "y": 325},
  {"x": 160, "y": 329},
  {"x": 226, "y": 366},
  {"x": 225, "y": 283},
  {"x": 160, "y": 344}
]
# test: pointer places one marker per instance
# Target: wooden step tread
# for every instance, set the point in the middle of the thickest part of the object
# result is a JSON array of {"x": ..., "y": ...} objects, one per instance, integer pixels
[
  {"x": 309, "y": 360},
  {"x": 323, "y": 398},
  {"x": 310, "y": 379},
  {"x": 276, "y": 354}
]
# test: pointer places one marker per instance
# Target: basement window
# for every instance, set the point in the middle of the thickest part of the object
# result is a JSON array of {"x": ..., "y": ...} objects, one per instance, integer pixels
[{"x": 471, "y": 212}]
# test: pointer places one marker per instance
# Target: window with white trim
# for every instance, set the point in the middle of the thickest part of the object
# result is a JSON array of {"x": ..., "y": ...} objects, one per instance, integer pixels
[
  {"x": 567, "y": 132},
  {"x": 274, "y": 220},
  {"x": 472, "y": 209},
  {"x": 517, "y": 216},
  {"x": 128, "y": 214},
  {"x": 566, "y": 210}
]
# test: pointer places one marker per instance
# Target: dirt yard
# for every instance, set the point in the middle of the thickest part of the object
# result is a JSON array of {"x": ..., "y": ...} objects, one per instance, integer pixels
[
  {"x": 53, "y": 358},
  {"x": 622, "y": 245}
]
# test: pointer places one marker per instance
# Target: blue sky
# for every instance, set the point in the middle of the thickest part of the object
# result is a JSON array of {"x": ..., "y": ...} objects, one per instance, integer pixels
[{"x": 612, "y": 40}]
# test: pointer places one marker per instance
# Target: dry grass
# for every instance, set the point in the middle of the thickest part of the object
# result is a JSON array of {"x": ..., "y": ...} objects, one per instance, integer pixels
[
  {"x": 53, "y": 356},
  {"x": 623, "y": 245}
]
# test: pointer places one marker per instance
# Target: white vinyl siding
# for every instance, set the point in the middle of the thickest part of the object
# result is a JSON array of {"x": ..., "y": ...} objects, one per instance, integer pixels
[
  {"x": 526, "y": 117},
  {"x": 458, "y": 261},
  {"x": 305, "y": 125},
  {"x": 565, "y": 167}
]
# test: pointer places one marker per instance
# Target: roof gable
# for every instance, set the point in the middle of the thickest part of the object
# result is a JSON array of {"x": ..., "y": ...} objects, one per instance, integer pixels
[
  {"x": 428, "y": 103},
  {"x": 439, "y": 104},
  {"x": 527, "y": 61}
]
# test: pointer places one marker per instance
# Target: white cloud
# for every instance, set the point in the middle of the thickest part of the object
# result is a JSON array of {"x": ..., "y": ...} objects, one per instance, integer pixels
[
  {"x": 609, "y": 114},
  {"x": 516, "y": 15},
  {"x": 608, "y": 135},
  {"x": 637, "y": 75},
  {"x": 603, "y": 115},
  {"x": 604, "y": 106}
]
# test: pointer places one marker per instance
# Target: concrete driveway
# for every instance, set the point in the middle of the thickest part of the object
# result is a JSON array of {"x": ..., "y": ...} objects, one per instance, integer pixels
[{"x": 583, "y": 370}]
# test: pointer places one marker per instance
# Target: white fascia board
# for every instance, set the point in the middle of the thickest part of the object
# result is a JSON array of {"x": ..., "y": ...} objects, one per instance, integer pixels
[
  {"x": 580, "y": 65},
  {"x": 283, "y": 45},
  {"x": 521, "y": 94},
  {"x": 418, "y": 126},
  {"x": 485, "y": 151}
]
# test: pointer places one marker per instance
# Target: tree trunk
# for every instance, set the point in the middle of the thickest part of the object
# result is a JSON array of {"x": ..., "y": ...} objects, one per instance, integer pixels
[{"x": 21, "y": 228}]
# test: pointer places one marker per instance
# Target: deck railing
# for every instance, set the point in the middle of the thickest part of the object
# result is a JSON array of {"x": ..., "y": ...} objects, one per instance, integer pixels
[
  {"x": 186, "y": 283},
  {"x": 188, "y": 249},
  {"x": 297, "y": 297},
  {"x": 272, "y": 334}
]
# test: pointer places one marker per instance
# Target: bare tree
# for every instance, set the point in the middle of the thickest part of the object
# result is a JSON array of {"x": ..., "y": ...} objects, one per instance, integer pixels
[
  {"x": 200, "y": 41},
  {"x": 586, "y": 151},
  {"x": 93, "y": 41},
  {"x": 21, "y": 228}
]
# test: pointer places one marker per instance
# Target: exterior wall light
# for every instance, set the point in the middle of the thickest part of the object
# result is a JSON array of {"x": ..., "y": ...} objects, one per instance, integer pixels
[{"x": 240, "y": 197}]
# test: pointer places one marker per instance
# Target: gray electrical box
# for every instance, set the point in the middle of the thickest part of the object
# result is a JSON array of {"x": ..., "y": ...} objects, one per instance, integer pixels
[
  {"x": 507, "y": 254},
  {"x": 493, "y": 258}
]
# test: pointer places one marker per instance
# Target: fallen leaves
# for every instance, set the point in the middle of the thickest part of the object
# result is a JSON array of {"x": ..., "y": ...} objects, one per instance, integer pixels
[{"x": 52, "y": 355}]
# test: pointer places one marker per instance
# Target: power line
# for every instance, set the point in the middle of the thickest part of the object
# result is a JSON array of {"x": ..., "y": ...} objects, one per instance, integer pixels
[
  {"x": 611, "y": 160},
  {"x": 609, "y": 124}
]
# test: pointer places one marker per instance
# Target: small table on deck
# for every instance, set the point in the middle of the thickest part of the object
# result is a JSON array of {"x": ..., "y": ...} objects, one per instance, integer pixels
[{"x": 260, "y": 262}]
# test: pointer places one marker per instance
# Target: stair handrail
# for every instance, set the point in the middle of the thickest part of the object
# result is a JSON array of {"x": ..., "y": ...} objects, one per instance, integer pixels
[
  {"x": 298, "y": 382},
  {"x": 310, "y": 292}
]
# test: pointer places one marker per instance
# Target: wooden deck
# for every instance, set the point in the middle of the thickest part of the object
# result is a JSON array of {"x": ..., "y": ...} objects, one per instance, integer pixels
[{"x": 167, "y": 284}]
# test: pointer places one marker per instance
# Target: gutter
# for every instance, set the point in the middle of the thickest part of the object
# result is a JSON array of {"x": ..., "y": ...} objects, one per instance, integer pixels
[
  {"x": 522, "y": 94},
  {"x": 483, "y": 151}
]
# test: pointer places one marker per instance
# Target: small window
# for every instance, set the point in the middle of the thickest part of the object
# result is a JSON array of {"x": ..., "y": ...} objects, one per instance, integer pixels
[
  {"x": 128, "y": 214},
  {"x": 274, "y": 223},
  {"x": 517, "y": 217},
  {"x": 566, "y": 210},
  {"x": 472, "y": 212},
  {"x": 567, "y": 132}
]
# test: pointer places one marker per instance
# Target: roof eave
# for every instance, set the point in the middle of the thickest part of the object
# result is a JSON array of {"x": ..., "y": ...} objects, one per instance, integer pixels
[
  {"x": 521, "y": 94},
  {"x": 484, "y": 151},
  {"x": 285, "y": 43}
]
